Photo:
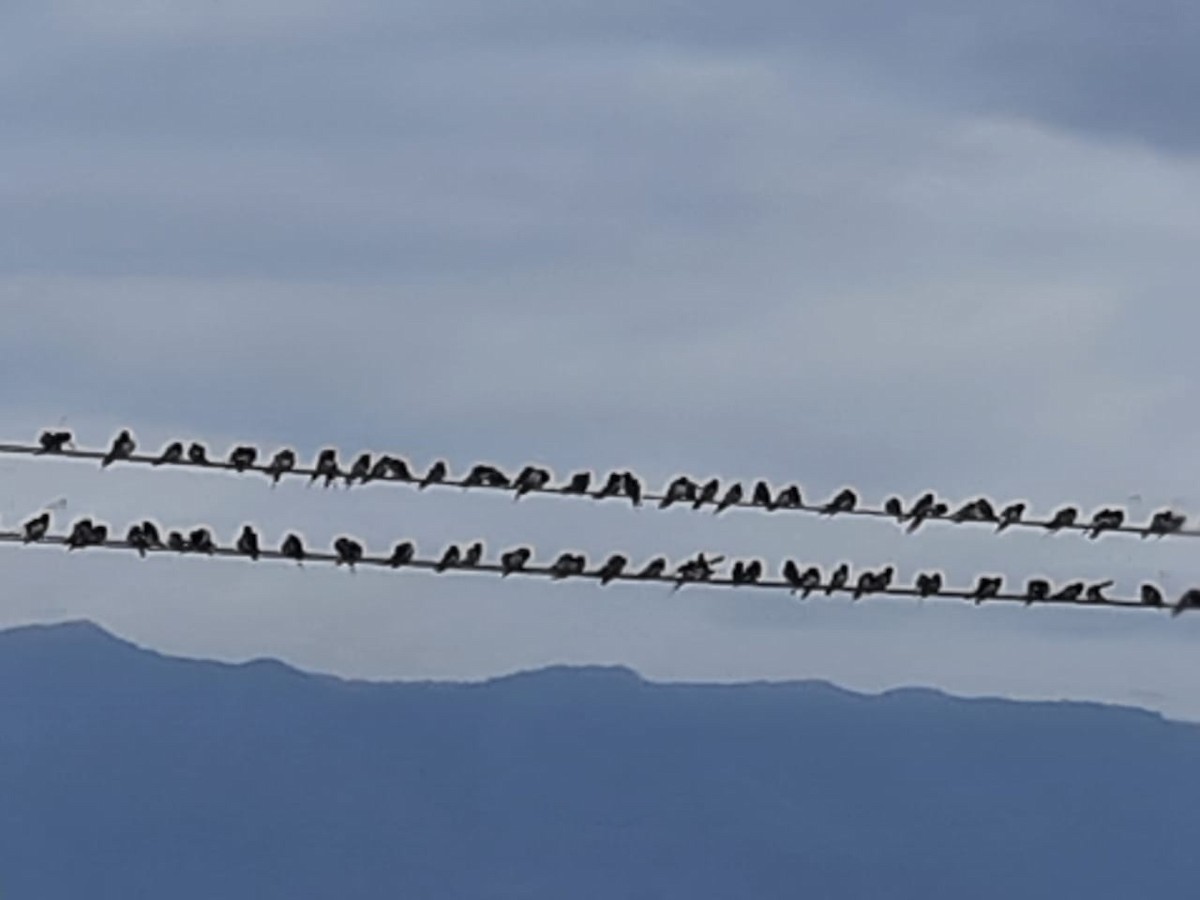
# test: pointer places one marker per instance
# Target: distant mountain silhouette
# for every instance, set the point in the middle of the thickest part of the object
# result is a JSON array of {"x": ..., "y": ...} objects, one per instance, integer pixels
[{"x": 125, "y": 774}]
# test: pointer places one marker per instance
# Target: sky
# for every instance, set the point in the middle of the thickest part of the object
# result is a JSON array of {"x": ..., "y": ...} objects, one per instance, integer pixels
[{"x": 941, "y": 245}]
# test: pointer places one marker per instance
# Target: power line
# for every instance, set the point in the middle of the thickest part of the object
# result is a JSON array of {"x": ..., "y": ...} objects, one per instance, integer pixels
[{"x": 1164, "y": 523}]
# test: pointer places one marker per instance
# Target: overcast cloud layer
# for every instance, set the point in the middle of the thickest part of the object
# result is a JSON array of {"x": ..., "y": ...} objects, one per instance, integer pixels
[{"x": 931, "y": 245}]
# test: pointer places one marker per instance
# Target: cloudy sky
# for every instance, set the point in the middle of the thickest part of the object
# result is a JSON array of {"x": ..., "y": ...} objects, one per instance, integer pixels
[{"x": 946, "y": 245}]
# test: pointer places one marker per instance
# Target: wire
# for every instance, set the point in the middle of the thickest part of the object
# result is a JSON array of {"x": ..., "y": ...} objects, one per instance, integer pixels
[
  {"x": 549, "y": 571},
  {"x": 1048, "y": 525}
]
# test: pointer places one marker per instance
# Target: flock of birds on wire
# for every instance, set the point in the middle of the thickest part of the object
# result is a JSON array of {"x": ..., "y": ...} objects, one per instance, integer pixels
[
  {"x": 146, "y": 536},
  {"x": 682, "y": 490}
]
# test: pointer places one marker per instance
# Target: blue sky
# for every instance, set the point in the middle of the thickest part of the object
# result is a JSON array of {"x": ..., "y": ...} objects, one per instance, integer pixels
[{"x": 947, "y": 247}]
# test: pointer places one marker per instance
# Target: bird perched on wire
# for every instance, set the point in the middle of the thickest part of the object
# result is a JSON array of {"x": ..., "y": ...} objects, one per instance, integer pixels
[
  {"x": 762, "y": 495},
  {"x": 402, "y": 554},
  {"x": 927, "y": 506},
  {"x": 281, "y": 463},
  {"x": 698, "y": 569},
  {"x": 197, "y": 454},
  {"x": 805, "y": 582},
  {"x": 326, "y": 467},
  {"x": 746, "y": 572},
  {"x": 843, "y": 501},
  {"x": 482, "y": 475},
  {"x": 1010, "y": 515},
  {"x": 53, "y": 441},
  {"x": 654, "y": 569},
  {"x": 789, "y": 498},
  {"x": 986, "y": 588},
  {"x": 1106, "y": 520},
  {"x": 176, "y": 542},
  {"x": 929, "y": 584},
  {"x": 123, "y": 447},
  {"x": 1036, "y": 590},
  {"x": 708, "y": 493},
  {"x": 632, "y": 487},
  {"x": 348, "y": 551},
  {"x": 614, "y": 486},
  {"x": 613, "y": 567},
  {"x": 171, "y": 454},
  {"x": 681, "y": 490},
  {"x": 473, "y": 555},
  {"x": 514, "y": 560},
  {"x": 360, "y": 470},
  {"x": 733, "y": 496},
  {"x": 1151, "y": 595},
  {"x": 137, "y": 540},
  {"x": 530, "y": 478},
  {"x": 567, "y": 565},
  {"x": 1070, "y": 593},
  {"x": 1095, "y": 592},
  {"x": 838, "y": 580},
  {"x": 979, "y": 510},
  {"x": 247, "y": 543},
  {"x": 1189, "y": 600},
  {"x": 873, "y": 582},
  {"x": 450, "y": 558},
  {"x": 150, "y": 533},
  {"x": 35, "y": 529},
  {"x": 436, "y": 475},
  {"x": 200, "y": 541},
  {"x": 579, "y": 483},
  {"x": 242, "y": 458},
  {"x": 86, "y": 533},
  {"x": 894, "y": 507},
  {"x": 1164, "y": 522},
  {"x": 1064, "y": 518},
  {"x": 292, "y": 548}
]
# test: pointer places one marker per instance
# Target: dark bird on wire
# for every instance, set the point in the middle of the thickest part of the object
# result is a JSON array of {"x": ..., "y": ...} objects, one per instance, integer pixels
[
  {"x": 403, "y": 554},
  {"x": 326, "y": 467},
  {"x": 436, "y": 474},
  {"x": 247, "y": 543},
  {"x": 894, "y": 507},
  {"x": 929, "y": 584},
  {"x": 632, "y": 488},
  {"x": 837, "y": 581},
  {"x": 925, "y": 507},
  {"x": 1036, "y": 590},
  {"x": 200, "y": 541},
  {"x": 579, "y": 483},
  {"x": 35, "y": 529},
  {"x": 1064, "y": 518},
  {"x": 176, "y": 542},
  {"x": 197, "y": 454},
  {"x": 568, "y": 564},
  {"x": 612, "y": 568},
  {"x": 1164, "y": 522},
  {"x": 1070, "y": 593},
  {"x": 986, "y": 588},
  {"x": 360, "y": 471},
  {"x": 171, "y": 454},
  {"x": 514, "y": 560},
  {"x": 864, "y": 585},
  {"x": 451, "y": 558},
  {"x": 1106, "y": 520},
  {"x": 53, "y": 441},
  {"x": 1095, "y": 592},
  {"x": 122, "y": 447},
  {"x": 1151, "y": 595},
  {"x": 747, "y": 572},
  {"x": 791, "y": 574},
  {"x": 473, "y": 556},
  {"x": 681, "y": 490},
  {"x": 844, "y": 501},
  {"x": 136, "y": 539},
  {"x": 150, "y": 533},
  {"x": 762, "y": 495},
  {"x": 1010, "y": 515},
  {"x": 979, "y": 510},
  {"x": 349, "y": 552},
  {"x": 809, "y": 581},
  {"x": 1189, "y": 600},
  {"x": 382, "y": 469},
  {"x": 656, "y": 568},
  {"x": 486, "y": 476},
  {"x": 531, "y": 478},
  {"x": 732, "y": 497},
  {"x": 242, "y": 458},
  {"x": 82, "y": 534},
  {"x": 699, "y": 569},
  {"x": 708, "y": 493},
  {"x": 283, "y": 462},
  {"x": 789, "y": 498},
  {"x": 398, "y": 469},
  {"x": 613, "y": 487},
  {"x": 292, "y": 548}
]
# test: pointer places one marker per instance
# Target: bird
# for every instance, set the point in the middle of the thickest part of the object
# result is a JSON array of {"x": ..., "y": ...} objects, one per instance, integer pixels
[
  {"x": 708, "y": 493},
  {"x": 476, "y": 477},
  {"x": 810, "y": 580},
  {"x": 699, "y": 569},
  {"x": 656, "y": 568},
  {"x": 1151, "y": 595},
  {"x": 137, "y": 540},
  {"x": 568, "y": 564},
  {"x": 281, "y": 463},
  {"x": 482, "y": 475},
  {"x": 1010, "y": 515},
  {"x": 176, "y": 542},
  {"x": 150, "y": 533},
  {"x": 929, "y": 583},
  {"x": 81, "y": 534},
  {"x": 326, "y": 466},
  {"x": 837, "y": 581},
  {"x": 791, "y": 574},
  {"x": 99, "y": 535},
  {"x": 381, "y": 469},
  {"x": 632, "y": 488},
  {"x": 986, "y": 588},
  {"x": 1064, "y": 518},
  {"x": 1189, "y": 600},
  {"x": 613, "y": 487},
  {"x": 171, "y": 454},
  {"x": 360, "y": 471},
  {"x": 436, "y": 474},
  {"x": 789, "y": 498},
  {"x": 1036, "y": 589},
  {"x": 894, "y": 507},
  {"x": 864, "y": 585},
  {"x": 979, "y": 510},
  {"x": 883, "y": 579},
  {"x": 1070, "y": 593},
  {"x": 200, "y": 541},
  {"x": 197, "y": 454},
  {"x": 35, "y": 529},
  {"x": 292, "y": 548},
  {"x": 53, "y": 441},
  {"x": 922, "y": 509},
  {"x": 242, "y": 458},
  {"x": 531, "y": 478},
  {"x": 579, "y": 483},
  {"x": 247, "y": 543},
  {"x": 514, "y": 560},
  {"x": 762, "y": 496},
  {"x": 398, "y": 469},
  {"x": 402, "y": 554},
  {"x": 473, "y": 556},
  {"x": 1095, "y": 592},
  {"x": 1164, "y": 522},
  {"x": 1106, "y": 520},
  {"x": 612, "y": 568},
  {"x": 449, "y": 559},
  {"x": 733, "y": 496},
  {"x": 746, "y": 572},
  {"x": 680, "y": 490},
  {"x": 844, "y": 501},
  {"x": 122, "y": 447},
  {"x": 348, "y": 551}
]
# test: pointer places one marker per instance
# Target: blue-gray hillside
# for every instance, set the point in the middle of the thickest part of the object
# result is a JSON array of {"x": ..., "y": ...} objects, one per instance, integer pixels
[{"x": 126, "y": 774}]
